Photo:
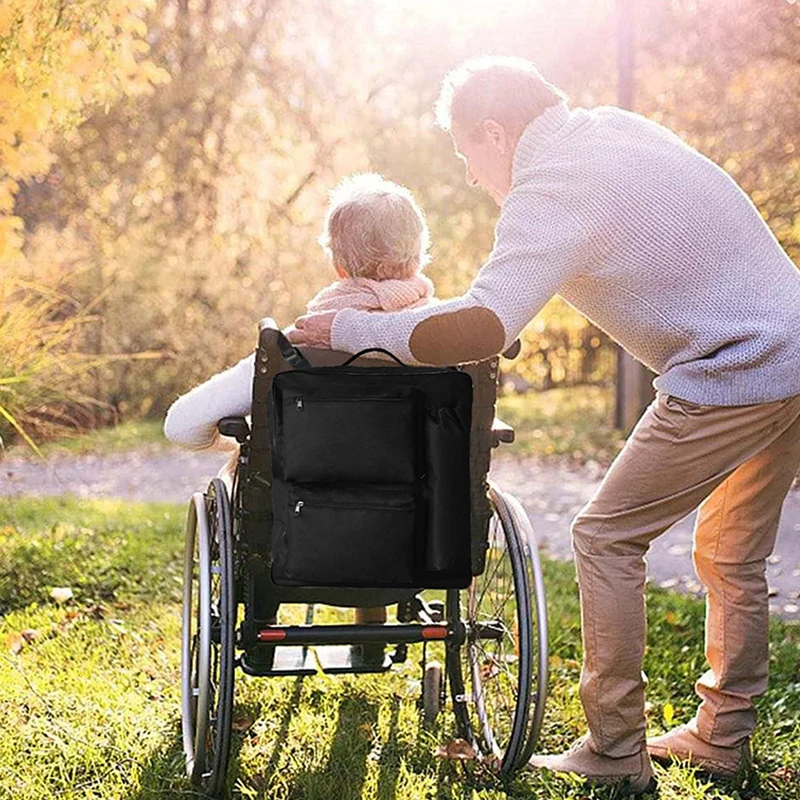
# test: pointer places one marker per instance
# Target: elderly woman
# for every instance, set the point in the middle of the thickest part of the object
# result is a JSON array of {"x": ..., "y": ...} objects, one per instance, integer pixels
[{"x": 377, "y": 240}]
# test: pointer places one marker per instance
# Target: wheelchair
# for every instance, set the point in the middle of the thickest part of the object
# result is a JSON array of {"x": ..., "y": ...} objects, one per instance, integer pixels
[{"x": 494, "y": 633}]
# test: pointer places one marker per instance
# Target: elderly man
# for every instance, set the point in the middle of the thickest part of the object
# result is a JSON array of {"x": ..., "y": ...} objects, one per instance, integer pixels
[{"x": 660, "y": 248}]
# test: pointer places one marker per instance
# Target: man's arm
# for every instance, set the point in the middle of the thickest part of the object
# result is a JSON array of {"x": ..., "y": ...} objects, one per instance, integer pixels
[{"x": 538, "y": 247}]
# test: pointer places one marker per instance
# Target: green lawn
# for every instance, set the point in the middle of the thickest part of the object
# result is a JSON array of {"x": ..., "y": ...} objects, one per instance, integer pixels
[
  {"x": 90, "y": 704},
  {"x": 126, "y": 436}
]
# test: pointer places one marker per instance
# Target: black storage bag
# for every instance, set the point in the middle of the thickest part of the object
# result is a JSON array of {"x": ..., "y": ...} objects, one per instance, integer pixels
[{"x": 371, "y": 483}]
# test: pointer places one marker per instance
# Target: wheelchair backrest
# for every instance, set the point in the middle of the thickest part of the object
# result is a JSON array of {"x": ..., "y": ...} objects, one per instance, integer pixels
[{"x": 269, "y": 362}]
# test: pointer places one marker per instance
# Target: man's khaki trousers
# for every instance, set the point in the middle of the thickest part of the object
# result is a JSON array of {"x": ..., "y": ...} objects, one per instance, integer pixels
[{"x": 737, "y": 464}]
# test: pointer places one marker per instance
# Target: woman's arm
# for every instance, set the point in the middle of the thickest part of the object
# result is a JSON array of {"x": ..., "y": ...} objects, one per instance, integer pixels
[{"x": 192, "y": 419}]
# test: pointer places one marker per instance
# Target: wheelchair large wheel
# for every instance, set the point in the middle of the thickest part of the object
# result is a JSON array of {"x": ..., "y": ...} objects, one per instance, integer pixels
[
  {"x": 207, "y": 652},
  {"x": 499, "y": 676}
]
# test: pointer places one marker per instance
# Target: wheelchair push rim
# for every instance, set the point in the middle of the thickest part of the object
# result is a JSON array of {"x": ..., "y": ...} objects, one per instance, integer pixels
[
  {"x": 207, "y": 646},
  {"x": 541, "y": 675}
]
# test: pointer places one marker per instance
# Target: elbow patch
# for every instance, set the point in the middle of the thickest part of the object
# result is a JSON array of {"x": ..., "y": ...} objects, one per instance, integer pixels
[{"x": 470, "y": 334}]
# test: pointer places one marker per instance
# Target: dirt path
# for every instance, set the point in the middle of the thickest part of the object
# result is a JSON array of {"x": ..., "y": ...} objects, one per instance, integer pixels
[{"x": 552, "y": 494}]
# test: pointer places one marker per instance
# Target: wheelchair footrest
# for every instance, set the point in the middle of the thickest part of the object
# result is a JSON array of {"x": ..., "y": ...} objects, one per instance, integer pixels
[
  {"x": 332, "y": 659},
  {"x": 342, "y": 658},
  {"x": 284, "y": 661}
]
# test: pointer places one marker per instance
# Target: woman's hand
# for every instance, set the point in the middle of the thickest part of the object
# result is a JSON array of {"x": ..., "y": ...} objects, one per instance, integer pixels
[{"x": 313, "y": 330}]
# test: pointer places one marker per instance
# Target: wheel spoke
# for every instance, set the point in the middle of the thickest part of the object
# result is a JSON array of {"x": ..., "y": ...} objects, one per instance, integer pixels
[{"x": 498, "y": 664}]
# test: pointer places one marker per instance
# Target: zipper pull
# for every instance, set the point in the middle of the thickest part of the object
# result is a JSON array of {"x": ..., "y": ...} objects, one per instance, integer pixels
[
  {"x": 298, "y": 401},
  {"x": 298, "y": 505}
]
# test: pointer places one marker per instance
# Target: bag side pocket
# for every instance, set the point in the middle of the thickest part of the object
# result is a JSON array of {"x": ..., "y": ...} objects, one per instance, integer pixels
[{"x": 447, "y": 431}]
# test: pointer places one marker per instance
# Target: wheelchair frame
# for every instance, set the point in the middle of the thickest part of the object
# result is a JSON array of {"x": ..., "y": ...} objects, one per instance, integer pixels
[{"x": 226, "y": 563}]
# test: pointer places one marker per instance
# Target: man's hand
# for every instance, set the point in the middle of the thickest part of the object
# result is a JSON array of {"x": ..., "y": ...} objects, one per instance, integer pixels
[{"x": 313, "y": 330}]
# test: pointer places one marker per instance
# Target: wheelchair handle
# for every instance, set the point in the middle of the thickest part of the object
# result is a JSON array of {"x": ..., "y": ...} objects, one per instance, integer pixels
[{"x": 290, "y": 353}]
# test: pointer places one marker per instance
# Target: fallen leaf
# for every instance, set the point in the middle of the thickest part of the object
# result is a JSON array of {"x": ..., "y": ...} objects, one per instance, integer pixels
[
  {"x": 365, "y": 730},
  {"x": 61, "y": 594},
  {"x": 493, "y": 763},
  {"x": 29, "y": 634},
  {"x": 96, "y": 612},
  {"x": 787, "y": 774},
  {"x": 242, "y": 722},
  {"x": 490, "y": 668},
  {"x": 14, "y": 643},
  {"x": 456, "y": 750},
  {"x": 117, "y": 625}
]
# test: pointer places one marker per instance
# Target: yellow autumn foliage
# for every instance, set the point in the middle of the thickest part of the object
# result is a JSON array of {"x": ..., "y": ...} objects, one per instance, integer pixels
[
  {"x": 57, "y": 60},
  {"x": 181, "y": 212}
]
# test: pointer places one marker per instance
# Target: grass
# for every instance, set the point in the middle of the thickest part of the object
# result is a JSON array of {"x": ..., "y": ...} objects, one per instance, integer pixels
[
  {"x": 91, "y": 702},
  {"x": 123, "y": 437}
]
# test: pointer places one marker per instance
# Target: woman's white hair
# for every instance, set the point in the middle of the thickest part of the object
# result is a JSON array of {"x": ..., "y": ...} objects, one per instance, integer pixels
[{"x": 375, "y": 229}]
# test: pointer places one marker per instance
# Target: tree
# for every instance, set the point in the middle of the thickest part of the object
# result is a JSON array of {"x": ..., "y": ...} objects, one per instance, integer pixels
[{"x": 58, "y": 60}]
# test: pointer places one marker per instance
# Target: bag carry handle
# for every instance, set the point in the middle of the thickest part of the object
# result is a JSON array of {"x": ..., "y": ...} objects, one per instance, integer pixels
[
  {"x": 374, "y": 350},
  {"x": 291, "y": 354},
  {"x": 298, "y": 361}
]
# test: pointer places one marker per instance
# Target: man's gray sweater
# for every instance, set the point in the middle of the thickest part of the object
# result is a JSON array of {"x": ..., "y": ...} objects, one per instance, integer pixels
[{"x": 650, "y": 240}]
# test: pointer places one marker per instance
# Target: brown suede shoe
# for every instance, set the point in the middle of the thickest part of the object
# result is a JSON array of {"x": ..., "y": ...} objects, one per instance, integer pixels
[
  {"x": 683, "y": 744},
  {"x": 634, "y": 772}
]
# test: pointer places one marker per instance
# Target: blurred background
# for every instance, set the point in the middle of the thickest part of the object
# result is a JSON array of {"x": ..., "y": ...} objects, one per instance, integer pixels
[{"x": 165, "y": 166}]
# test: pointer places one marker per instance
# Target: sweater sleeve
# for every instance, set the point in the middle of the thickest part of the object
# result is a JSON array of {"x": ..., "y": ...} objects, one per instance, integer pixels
[
  {"x": 538, "y": 246},
  {"x": 192, "y": 419}
]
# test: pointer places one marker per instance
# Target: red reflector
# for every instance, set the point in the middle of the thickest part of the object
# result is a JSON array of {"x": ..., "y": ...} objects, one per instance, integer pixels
[
  {"x": 434, "y": 632},
  {"x": 271, "y": 635}
]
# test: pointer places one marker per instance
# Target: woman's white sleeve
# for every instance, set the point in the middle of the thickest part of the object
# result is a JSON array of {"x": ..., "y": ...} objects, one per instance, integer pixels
[{"x": 192, "y": 419}]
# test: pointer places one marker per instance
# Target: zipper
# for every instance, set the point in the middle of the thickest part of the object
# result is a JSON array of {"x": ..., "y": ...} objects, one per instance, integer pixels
[
  {"x": 300, "y": 503},
  {"x": 300, "y": 401}
]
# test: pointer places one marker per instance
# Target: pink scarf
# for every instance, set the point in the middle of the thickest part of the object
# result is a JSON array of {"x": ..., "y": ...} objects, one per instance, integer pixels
[{"x": 367, "y": 294}]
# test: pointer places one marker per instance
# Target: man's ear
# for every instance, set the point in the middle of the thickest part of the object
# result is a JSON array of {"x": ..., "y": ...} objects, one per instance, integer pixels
[{"x": 496, "y": 134}]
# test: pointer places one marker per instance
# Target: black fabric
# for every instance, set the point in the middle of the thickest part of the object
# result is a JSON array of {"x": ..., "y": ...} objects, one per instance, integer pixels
[{"x": 371, "y": 479}]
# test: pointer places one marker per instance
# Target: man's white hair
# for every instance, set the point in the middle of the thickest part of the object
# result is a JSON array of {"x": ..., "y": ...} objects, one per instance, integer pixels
[
  {"x": 509, "y": 90},
  {"x": 375, "y": 229}
]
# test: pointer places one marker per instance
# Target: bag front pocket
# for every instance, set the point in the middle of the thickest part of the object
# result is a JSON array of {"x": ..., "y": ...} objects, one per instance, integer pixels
[
  {"x": 354, "y": 537},
  {"x": 358, "y": 439}
]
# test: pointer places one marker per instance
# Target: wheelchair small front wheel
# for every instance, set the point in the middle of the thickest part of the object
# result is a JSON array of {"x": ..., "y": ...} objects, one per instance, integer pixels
[{"x": 207, "y": 640}]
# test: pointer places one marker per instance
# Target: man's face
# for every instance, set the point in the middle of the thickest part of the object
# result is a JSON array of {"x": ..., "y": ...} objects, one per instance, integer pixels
[{"x": 487, "y": 157}]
